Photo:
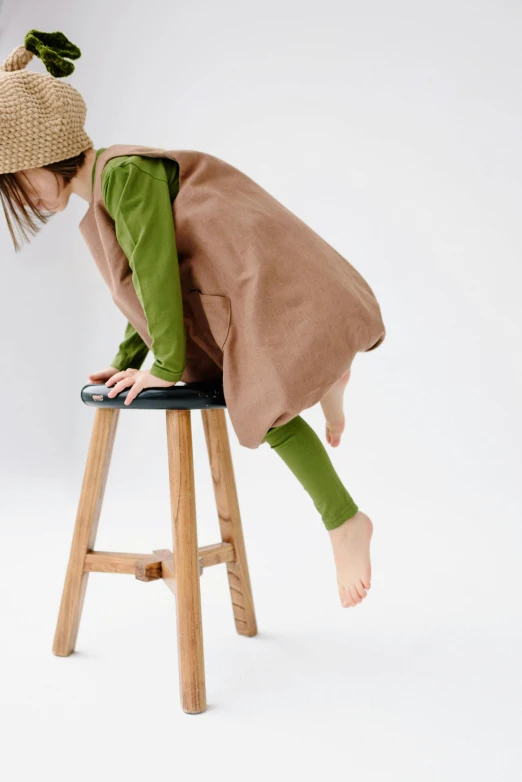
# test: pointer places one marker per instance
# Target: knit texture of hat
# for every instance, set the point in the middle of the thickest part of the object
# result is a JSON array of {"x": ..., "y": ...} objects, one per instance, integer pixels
[{"x": 41, "y": 118}]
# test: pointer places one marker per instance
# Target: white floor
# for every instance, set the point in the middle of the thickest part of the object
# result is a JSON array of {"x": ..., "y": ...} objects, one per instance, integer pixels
[{"x": 420, "y": 682}]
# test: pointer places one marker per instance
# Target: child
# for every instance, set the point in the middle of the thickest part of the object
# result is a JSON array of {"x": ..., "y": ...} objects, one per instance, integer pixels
[{"x": 212, "y": 273}]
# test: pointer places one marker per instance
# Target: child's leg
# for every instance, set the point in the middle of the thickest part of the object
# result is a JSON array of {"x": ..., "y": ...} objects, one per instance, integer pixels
[
  {"x": 350, "y": 530},
  {"x": 301, "y": 449}
]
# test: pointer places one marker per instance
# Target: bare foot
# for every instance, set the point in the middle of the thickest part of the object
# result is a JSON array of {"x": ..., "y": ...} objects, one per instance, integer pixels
[
  {"x": 332, "y": 404},
  {"x": 351, "y": 548}
]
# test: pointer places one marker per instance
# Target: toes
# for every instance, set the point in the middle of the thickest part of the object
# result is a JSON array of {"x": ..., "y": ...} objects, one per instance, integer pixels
[
  {"x": 349, "y": 597},
  {"x": 355, "y": 595},
  {"x": 346, "y": 598},
  {"x": 361, "y": 591},
  {"x": 333, "y": 438}
]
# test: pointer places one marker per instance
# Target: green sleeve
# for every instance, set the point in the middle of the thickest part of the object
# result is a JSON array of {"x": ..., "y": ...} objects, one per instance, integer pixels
[
  {"x": 132, "y": 352},
  {"x": 136, "y": 193}
]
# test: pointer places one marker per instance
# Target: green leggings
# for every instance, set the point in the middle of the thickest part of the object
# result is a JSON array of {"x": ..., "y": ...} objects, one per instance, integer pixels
[{"x": 301, "y": 449}]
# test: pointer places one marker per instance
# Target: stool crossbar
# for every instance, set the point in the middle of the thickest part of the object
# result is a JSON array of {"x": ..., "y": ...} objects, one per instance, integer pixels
[{"x": 181, "y": 567}]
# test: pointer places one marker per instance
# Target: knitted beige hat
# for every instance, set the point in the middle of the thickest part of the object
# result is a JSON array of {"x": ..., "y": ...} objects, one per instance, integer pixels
[{"x": 41, "y": 118}]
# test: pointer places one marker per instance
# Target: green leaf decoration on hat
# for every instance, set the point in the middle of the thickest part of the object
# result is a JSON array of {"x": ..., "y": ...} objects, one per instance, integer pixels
[{"x": 52, "y": 48}]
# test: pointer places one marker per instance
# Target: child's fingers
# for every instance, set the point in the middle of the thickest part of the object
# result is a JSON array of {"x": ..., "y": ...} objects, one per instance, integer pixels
[
  {"x": 138, "y": 386},
  {"x": 104, "y": 374},
  {"x": 128, "y": 380},
  {"x": 133, "y": 393},
  {"x": 117, "y": 376}
]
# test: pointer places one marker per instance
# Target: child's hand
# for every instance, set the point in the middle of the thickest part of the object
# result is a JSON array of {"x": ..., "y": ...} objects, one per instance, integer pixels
[
  {"x": 103, "y": 375},
  {"x": 138, "y": 380}
]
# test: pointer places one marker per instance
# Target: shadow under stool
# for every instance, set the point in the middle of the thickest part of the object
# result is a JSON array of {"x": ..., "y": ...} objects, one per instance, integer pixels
[{"x": 182, "y": 567}]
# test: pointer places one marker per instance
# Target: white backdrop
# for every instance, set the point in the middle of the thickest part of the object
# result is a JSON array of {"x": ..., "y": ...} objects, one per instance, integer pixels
[{"x": 393, "y": 129}]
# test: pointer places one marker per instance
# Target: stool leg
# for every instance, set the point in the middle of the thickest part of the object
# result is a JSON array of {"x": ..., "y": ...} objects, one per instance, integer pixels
[
  {"x": 218, "y": 447},
  {"x": 85, "y": 529},
  {"x": 186, "y": 562}
]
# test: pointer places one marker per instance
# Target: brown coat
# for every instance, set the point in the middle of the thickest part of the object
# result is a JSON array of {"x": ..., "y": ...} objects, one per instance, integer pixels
[{"x": 270, "y": 308}]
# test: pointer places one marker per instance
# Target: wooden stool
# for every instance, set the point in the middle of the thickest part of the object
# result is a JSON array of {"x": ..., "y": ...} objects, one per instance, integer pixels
[{"x": 182, "y": 567}]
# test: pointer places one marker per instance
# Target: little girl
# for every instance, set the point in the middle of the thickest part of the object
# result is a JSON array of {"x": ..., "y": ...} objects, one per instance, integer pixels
[{"x": 214, "y": 276}]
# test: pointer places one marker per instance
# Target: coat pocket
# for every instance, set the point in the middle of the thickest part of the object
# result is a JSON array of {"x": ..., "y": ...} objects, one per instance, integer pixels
[{"x": 218, "y": 313}]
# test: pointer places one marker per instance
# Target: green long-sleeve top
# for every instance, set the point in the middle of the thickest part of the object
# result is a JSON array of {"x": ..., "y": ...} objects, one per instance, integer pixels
[{"x": 138, "y": 192}]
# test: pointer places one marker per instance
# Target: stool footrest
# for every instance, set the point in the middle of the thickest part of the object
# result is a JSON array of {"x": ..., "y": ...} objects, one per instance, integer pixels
[
  {"x": 115, "y": 562},
  {"x": 151, "y": 567}
]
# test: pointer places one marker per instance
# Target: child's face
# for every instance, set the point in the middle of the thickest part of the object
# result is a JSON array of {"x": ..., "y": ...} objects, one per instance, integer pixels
[{"x": 46, "y": 190}]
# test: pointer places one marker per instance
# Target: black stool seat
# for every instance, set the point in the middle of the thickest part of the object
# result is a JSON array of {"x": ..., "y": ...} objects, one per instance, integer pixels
[{"x": 190, "y": 396}]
